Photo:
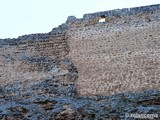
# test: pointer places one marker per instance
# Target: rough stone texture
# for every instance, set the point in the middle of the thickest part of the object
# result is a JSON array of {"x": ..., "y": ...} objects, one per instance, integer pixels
[
  {"x": 43, "y": 106},
  {"x": 84, "y": 69},
  {"x": 32, "y": 57},
  {"x": 117, "y": 56}
]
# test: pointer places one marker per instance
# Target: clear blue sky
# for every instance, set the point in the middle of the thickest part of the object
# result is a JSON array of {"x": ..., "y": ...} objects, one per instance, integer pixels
[{"x": 19, "y": 17}]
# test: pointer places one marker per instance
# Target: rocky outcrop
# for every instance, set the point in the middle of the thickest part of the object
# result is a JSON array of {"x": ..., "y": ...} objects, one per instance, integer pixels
[{"x": 50, "y": 100}]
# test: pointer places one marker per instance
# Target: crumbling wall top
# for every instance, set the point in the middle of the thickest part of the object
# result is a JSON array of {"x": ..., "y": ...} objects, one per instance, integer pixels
[{"x": 118, "y": 12}]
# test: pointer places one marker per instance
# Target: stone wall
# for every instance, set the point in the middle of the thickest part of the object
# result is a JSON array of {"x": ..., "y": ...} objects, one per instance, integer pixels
[
  {"x": 119, "y": 55},
  {"x": 72, "y": 72},
  {"x": 31, "y": 58}
]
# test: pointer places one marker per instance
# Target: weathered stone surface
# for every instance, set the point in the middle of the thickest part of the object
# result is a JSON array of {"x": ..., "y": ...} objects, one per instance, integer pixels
[
  {"x": 119, "y": 55},
  {"x": 84, "y": 69},
  {"x": 71, "y": 108}
]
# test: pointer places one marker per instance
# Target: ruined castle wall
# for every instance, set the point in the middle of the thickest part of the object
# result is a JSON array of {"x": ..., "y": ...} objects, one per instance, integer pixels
[
  {"x": 120, "y": 55},
  {"x": 31, "y": 58}
]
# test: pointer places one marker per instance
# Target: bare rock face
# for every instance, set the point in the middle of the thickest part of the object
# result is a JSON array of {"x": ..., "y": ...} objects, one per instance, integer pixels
[{"x": 85, "y": 70}]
